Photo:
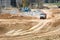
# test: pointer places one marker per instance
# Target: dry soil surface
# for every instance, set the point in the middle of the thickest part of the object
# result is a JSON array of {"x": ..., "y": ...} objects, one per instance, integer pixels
[{"x": 48, "y": 31}]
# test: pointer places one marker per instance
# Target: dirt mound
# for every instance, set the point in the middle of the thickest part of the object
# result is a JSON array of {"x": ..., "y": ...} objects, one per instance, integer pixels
[
  {"x": 9, "y": 16},
  {"x": 50, "y": 26},
  {"x": 3, "y": 16},
  {"x": 55, "y": 24},
  {"x": 22, "y": 17},
  {"x": 3, "y": 29},
  {"x": 7, "y": 27},
  {"x": 55, "y": 11}
]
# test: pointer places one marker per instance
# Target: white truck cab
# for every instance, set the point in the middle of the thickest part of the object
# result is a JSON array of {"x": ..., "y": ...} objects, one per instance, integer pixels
[{"x": 43, "y": 16}]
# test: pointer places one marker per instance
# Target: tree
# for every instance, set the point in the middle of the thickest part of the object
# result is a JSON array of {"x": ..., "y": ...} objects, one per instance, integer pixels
[
  {"x": 40, "y": 3},
  {"x": 0, "y": 6}
]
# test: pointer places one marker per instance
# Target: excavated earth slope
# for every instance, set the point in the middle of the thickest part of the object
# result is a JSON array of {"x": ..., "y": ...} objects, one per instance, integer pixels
[{"x": 46, "y": 31}]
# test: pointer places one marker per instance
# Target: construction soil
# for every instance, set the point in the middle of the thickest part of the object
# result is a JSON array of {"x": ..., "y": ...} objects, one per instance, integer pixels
[
  {"x": 10, "y": 22},
  {"x": 50, "y": 31},
  {"x": 9, "y": 16}
]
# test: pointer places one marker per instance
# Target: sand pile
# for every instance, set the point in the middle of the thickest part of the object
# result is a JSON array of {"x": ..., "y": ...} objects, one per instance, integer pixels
[
  {"x": 3, "y": 16},
  {"x": 55, "y": 11},
  {"x": 53, "y": 33},
  {"x": 24, "y": 26},
  {"x": 22, "y": 17},
  {"x": 50, "y": 26},
  {"x": 10, "y": 16},
  {"x": 55, "y": 24}
]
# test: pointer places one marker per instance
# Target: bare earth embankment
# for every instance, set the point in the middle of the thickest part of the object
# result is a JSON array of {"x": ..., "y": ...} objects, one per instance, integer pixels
[{"x": 30, "y": 28}]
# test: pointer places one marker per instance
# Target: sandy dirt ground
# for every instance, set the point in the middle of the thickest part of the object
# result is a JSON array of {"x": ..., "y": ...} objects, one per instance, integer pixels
[{"x": 30, "y": 28}]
